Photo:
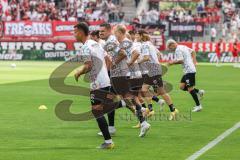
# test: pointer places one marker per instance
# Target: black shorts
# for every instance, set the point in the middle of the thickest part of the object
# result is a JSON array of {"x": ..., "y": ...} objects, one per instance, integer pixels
[
  {"x": 155, "y": 81},
  {"x": 189, "y": 79},
  {"x": 100, "y": 95},
  {"x": 120, "y": 85},
  {"x": 102, "y": 101},
  {"x": 136, "y": 85}
]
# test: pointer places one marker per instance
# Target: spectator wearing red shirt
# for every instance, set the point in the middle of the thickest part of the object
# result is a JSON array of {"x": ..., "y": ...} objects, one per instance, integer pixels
[
  {"x": 235, "y": 51},
  {"x": 218, "y": 51}
]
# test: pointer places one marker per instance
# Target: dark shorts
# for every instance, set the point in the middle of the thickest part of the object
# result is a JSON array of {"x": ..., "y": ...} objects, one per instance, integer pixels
[
  {"x": 102, "y": 101},
  {"x": 100, "y": 95},
  {"x": 155, "y": 81},
  {"x": 189, "y": 79},
  {"x": 120, "y": 85},
  {"x": 136, "y": 85}
]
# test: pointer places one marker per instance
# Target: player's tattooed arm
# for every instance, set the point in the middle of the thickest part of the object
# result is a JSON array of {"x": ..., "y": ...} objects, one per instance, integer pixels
[
  {"x": 134, "y": 57},
  {"x": 83, "y": 70},
  {"x": 122, "y": 54},
  {"x": 194, "y": 58}
]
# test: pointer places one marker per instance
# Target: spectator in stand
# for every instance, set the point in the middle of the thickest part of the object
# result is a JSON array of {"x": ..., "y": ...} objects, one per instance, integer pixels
[
  {"x": 224, "y": 30},
  {"x": 200, "y": 6},
  {"x": 65, "y": 10},
  {"x": 121, "y": 15},
  {"x": 143, "y": 17},
  {"x": 228, "y": 9},
  {"x": 111, "y": 10},
  {"x": 153, "y": 16},
  {"x": 234, "y": 25},
  {"x": 213, "y": 34},
  {"x": 137, "y": 3}
]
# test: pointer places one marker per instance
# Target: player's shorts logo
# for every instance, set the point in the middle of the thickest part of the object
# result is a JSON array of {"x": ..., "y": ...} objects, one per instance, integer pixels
[{"x": 155, "y": 81}]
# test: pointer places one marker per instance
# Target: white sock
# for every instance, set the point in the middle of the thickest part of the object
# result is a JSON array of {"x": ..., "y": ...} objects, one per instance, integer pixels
[
  {"x": 143, "y": 109},
  {"x": 123, "y": 103},
  {"x": 109, "y": 141},
  {"x": 111, "y": 127},
  {"x": 143, "y": 123}
]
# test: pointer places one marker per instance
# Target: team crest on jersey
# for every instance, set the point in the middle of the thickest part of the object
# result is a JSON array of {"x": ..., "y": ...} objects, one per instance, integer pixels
[
  {"x": 126, "y": 44},
  {"x": 110, "y": 46}
]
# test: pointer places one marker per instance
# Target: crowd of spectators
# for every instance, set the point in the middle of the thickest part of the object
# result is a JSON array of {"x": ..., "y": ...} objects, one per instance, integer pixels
[
  {"x": 64, "y": 10},
  {"x": 205, "y": 14},
  {"x": 208, "y": 14}
]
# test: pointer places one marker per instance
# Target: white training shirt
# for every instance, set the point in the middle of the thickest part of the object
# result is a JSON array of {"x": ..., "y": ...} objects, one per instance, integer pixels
[
  {"x": 98, "y": 75},
  {"x": 129, "y": 48},
  {"x": 112, "y": 47},
  {"x": 138, "y": 46},
  {"x": 102, "y": 43},
  {"x": 185, "y": 53},
  {"x": 153, "y": 65}
]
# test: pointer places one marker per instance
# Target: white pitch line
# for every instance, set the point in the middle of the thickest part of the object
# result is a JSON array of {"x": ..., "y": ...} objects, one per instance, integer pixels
[{"x": 214, "y": 142}]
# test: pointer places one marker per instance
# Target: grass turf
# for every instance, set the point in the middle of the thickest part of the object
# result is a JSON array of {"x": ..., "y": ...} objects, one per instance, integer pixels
[{"x": 29, "y": 134}]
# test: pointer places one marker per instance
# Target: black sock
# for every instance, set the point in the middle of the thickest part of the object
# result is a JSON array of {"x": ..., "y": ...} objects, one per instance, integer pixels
[
  {"x": 150, "y": 107},
  {"x": 197, "y": 90},
  {"x": 195, "y": 97},
  {"x": 171, "y": 107},
  {"x": 185, "y": 88},
  {"x": 139, "y": 113},
  {"x": 155, "y": 98},
  {"x": 119, "y": 105},
  {"x": 144, "y": 105},
  {"x": 111, "y": 117},
  {"x": 102, "y": 124}
]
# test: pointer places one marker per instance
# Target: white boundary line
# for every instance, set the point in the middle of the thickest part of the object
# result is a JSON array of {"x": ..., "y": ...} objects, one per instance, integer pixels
[{"x": 214, "y": 142}]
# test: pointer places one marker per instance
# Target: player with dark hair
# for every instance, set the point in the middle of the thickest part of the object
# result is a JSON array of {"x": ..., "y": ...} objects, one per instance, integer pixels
[
  {"x": 94, "y": 64},
  {"x": 187, "y": 57},
  {"x": 95, "y": 36}
]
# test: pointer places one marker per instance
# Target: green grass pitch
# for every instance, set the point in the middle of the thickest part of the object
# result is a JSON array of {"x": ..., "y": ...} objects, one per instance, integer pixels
[{"x": 27, "y": 133}]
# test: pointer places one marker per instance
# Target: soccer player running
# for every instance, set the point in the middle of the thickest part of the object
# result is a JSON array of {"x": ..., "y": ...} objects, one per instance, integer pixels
[
  {"x": 95, "y": 35},
  {"x": 94, "y": 63},
  {"x": 119, "y": 72},
  {"x": 111, "y": 47},
  {"x": 135, "y": 37},
  {"x": 187, "y": 57},
  {"x": 154, "y": 76},
  {"x": 134, "y": 75}
]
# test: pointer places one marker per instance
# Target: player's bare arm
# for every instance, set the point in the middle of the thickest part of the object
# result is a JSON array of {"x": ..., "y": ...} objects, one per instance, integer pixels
[
  {"x": 175, "y": 62},
  {"x": 194, "y": 58},
  {"x": 83, "y": 70},
  {"x": 108, "y": 62},
  {"x": 120, "y": 57},
  {"x": 134, "y": 57}
]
